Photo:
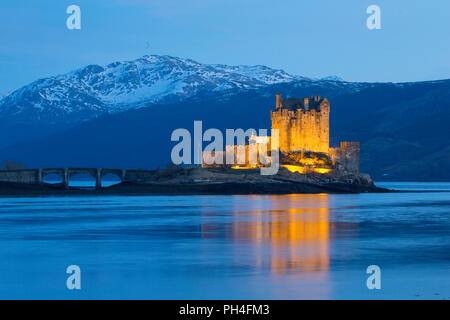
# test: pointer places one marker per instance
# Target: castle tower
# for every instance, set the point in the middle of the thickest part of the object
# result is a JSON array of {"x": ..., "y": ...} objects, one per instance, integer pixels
[
  {"x": 303, "y": 124},
  {"x": 278, "y": 103}
]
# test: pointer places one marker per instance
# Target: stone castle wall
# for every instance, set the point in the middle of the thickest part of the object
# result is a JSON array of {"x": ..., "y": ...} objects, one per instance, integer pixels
[
  {"x": 347, "y": 156},
  {"x": 249, "y": 155},
  {"x": 303, "y": 124}
]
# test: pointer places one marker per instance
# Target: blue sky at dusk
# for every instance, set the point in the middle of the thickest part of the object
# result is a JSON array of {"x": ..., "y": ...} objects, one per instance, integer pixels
[{"x": 309, "y": 38}]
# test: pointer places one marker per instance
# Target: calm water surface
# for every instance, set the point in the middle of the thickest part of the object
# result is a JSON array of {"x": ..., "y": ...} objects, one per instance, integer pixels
[{"x": 229, "y": 247}]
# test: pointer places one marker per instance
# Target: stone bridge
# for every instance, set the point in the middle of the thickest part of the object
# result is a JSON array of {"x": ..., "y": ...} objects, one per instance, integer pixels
[{"x": 36, "y": 176}]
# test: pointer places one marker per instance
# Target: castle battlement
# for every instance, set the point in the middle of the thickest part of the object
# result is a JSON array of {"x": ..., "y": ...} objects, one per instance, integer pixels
[{"x": 315, "y": 103}]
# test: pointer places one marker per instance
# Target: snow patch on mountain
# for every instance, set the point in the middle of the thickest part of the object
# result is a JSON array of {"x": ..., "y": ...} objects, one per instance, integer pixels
[
  {"x": 332, "y": 78},
  {"x": 119, "y": 86}
]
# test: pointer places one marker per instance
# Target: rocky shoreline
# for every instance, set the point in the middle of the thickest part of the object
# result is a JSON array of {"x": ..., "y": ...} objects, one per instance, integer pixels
[{"x": 212, "y": 181}]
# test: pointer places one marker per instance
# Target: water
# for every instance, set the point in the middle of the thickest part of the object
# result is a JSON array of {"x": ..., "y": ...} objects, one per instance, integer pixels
[
  {"x": 228, "y": 247},
  {"x": 83, "y": 180}
]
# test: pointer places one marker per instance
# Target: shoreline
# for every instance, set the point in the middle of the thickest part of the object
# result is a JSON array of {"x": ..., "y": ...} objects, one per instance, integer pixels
[
  {"x": 19, "y": 190},
  {"x": 8, "y": 189},
  {"x": 211, "y": 181}
]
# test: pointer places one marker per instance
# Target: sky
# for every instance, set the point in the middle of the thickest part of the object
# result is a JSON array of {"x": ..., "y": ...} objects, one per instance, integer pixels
[{"x": 309, "y": 38}]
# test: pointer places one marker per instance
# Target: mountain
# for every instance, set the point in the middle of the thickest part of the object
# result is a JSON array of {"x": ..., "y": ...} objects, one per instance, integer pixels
[
  {"x": 122, "y": 115},
  {"x": 56, "y": 103},
  {"x": 119, "y": 86}
]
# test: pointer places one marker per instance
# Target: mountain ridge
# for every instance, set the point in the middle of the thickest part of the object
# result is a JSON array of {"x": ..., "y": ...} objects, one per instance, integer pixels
[{"x": 92, "y": 90}]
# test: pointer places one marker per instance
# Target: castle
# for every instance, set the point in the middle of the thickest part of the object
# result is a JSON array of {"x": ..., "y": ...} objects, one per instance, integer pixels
[
  {"x": 303, "y": 124},
  {"x": 303, "y": 139}
]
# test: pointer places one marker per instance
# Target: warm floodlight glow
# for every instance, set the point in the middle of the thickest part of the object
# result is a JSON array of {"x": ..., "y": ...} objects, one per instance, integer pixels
[{"x": 301, "y": 169}]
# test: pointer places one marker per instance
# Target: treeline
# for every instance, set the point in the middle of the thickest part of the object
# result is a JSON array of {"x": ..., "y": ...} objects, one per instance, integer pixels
[{"x": 12, "y": 165}]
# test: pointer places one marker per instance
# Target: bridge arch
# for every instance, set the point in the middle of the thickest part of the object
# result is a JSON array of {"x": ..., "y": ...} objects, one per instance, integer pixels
[
  {"x": 110, "y": 179},
  {"x": 63, "y": 175},
  {"x": 52, "y": 178},
  {"x": 82, "y": 180},
  {"x": 44, "y": 174}
]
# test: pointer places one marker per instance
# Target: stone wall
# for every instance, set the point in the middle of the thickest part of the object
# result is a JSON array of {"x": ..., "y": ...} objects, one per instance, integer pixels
[
  {"x": 347, "y": 156},
  {"x": 213, "y": 159},
  {"x": 303, "y": 124},
  {"x": 252, "y": 155},
  {"x": 20, "y": 176}
]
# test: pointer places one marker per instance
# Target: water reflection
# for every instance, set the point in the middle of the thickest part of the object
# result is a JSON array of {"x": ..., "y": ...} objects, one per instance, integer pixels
[
  {"x": 281, "y": 234},
  {"x": 227, "y": 247},
  {"x": 294, "y": 229}
]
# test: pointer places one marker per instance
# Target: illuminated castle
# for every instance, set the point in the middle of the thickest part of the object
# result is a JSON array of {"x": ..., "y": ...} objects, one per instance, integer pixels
[
  {"x": 304, "y": 140},
  {"x": 303, "y": 124}
]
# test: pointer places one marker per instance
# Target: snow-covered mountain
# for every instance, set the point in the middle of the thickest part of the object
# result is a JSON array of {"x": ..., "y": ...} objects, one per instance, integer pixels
[{"x": 93, "y": 90}]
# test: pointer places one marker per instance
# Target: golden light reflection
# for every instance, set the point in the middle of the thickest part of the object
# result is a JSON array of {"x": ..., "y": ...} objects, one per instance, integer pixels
[
  {"x": 291, "y": 168},
  {"x": 289, "y": 233}
]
